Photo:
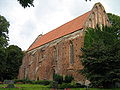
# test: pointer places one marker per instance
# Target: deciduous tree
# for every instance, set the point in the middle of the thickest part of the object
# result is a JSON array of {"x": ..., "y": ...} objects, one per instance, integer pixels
[
  {"x": 10, "y": 57},
  {"x": 4, "y": 25},
  {"x": 13, "y": 61},
  {"x": 26, "y": 3}
]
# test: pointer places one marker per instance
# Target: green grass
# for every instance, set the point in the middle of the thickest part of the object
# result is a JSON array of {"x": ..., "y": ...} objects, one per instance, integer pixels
[
  {"x": 41, "y": 87},
  {"x": 93, "y": 89},
  {"x": 25, "y": 87}
]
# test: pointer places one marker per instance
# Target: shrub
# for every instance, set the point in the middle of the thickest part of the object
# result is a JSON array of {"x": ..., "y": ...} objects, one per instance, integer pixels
[
  {"x": 68, "y": 79},
  {"x": 23, "y": 81},
  {"x": 53, "y": 84},
  {"x": 10, "y": 86},
  {"x": 26, "y": 81},
  {"x": 71, "y": 85},
  {"x": 42, "y": 82},
  {"x": 19, "y": 83},
  {"x": 66, "y": 85},
  {"x": 58, "y": 78},
  {"x": 78, "y": 85}
]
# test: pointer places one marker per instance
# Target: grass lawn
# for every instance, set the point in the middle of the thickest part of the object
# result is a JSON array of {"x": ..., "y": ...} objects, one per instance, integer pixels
[
  {"x": 41, "y": 87},
  {"x": 93, "y": 89},
  {"x": 25, "y": 87}
]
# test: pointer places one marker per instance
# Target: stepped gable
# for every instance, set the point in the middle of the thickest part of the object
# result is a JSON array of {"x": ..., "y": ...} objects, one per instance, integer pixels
[{"x": 72, "y": 26}]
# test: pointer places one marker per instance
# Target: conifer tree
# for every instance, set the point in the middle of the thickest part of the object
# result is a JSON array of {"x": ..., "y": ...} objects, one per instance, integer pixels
[{"x": 101, "y": 56}]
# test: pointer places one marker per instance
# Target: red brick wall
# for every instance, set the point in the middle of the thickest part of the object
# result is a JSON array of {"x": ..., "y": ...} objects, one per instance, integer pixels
[{"x": 41, "y": 63}]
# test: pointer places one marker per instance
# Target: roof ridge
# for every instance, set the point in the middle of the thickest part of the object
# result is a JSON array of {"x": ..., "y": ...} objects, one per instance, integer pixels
[{"x": 67, "y": 22}]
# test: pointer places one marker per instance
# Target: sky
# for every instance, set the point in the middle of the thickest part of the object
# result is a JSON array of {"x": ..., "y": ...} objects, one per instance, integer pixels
[{"x": 26, "y": 24}]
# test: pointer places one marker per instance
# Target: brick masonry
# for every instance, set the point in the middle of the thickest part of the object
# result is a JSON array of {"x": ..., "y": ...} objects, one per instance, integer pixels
[{"x": 61, "y": 56}]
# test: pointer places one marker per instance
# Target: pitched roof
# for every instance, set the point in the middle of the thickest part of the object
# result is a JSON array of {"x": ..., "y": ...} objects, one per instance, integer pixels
[{"x": 67, "y": 28}]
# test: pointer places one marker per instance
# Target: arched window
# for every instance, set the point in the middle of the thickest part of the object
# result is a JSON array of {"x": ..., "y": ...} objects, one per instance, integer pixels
[
  {"x": 71, "y": 52},
  {"x": 55, "y": 54}
]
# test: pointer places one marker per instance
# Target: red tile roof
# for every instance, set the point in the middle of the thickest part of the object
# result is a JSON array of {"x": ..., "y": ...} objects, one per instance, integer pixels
[{"x": 69, "y": 27}]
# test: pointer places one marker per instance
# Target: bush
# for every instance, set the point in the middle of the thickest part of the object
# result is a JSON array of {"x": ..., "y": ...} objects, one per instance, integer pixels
[
  {"x": 27, "y": 81},
  {"x": 71, "y": 85},
  {"x": 58, "y": 78},
  {"x": 78, "y": 85},
  {"x": 67, "y": 85},
  {"x": 42, "y": 82},
  {"x": 53, "y": 84},
  {"x": 10, "y": 86},
  {"x": 68, "y": 79}
]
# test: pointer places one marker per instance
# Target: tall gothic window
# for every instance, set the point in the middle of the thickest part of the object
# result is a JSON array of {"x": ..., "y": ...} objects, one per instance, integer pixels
[
  {"x": 71, "y": 52},
  {"x": 55, "y": 54}
]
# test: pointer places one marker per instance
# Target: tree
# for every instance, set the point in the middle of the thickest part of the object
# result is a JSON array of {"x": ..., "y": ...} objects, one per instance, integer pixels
[
  {"x": 2, "y": 63},
  {"x": 4, "y": 25},
  {"x": 26, "y": 3},
  {"x": 101, "y": 56},
  {"x": 10, "y": 57},
  {"x": 114, "y": 20},
  {"x": 13, "y": 61}
]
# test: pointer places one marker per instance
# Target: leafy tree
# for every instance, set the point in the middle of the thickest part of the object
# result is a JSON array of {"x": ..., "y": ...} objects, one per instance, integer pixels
[
  {"x": 114, "y": 20},
  {"x": 2, "y": 63},
  {"x": 4, "y": 25},
  {"x": 10, "y": 57},
  {"x": 13, "y": 62},
  {"x": 26, "y": 3},
  {"x": 101, "y": 56}
]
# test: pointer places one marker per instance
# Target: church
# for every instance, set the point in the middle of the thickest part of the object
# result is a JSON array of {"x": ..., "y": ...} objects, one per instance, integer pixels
[{"x": 58, "y": 51}]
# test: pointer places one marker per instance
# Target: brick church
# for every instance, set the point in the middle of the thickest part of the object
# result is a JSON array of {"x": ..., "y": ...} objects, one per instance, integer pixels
[{"x": 57, "y": 52}]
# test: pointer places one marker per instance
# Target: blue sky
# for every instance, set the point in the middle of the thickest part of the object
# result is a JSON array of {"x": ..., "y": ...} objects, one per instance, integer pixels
[{"x": 26, "y": 24}]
